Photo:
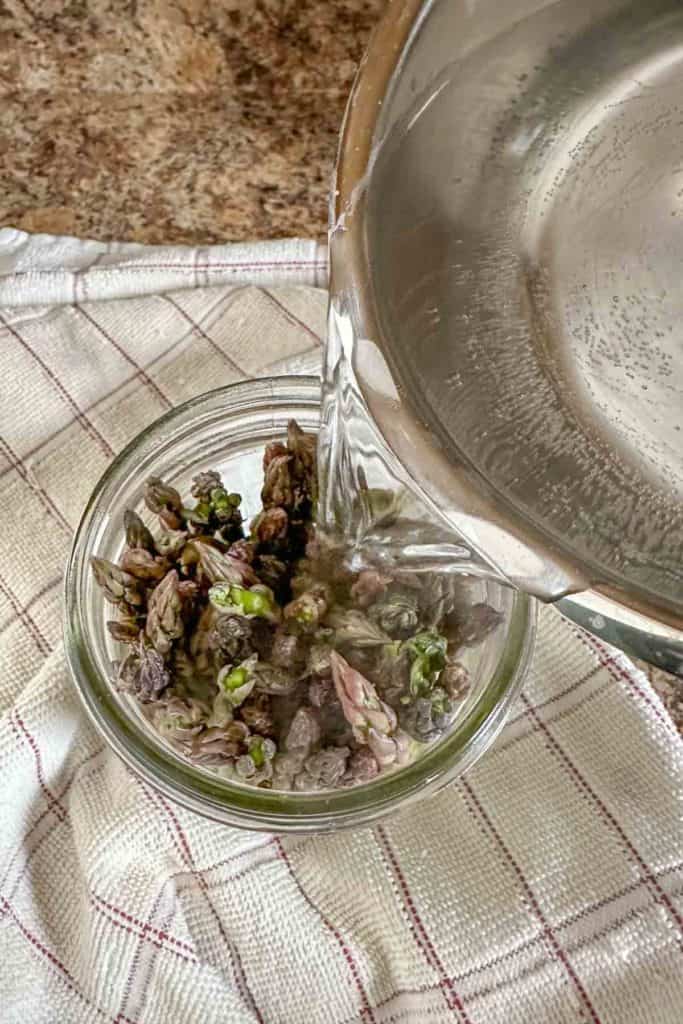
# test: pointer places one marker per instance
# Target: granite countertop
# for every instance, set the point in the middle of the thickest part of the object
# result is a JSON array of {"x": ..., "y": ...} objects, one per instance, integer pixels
[{"x": 192, "y": 121}]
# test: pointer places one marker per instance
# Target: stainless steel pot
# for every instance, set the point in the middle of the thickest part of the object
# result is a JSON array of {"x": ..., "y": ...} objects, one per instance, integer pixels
[{"x": 507, "y": 249}]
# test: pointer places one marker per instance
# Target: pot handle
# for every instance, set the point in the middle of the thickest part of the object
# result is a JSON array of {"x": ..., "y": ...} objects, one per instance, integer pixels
[{"x": 639, "y": 638}]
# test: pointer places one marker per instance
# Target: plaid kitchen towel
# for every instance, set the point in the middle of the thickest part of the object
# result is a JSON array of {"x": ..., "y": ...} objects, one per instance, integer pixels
[{"x": 547, "y": 885}]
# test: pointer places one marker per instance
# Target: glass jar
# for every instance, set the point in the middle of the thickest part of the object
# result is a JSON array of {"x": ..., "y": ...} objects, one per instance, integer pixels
[{"x": 227, "y": 430}]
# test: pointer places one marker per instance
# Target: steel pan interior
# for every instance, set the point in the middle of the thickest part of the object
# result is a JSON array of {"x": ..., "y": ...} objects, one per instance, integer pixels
[{"x": 521, "y": 232}]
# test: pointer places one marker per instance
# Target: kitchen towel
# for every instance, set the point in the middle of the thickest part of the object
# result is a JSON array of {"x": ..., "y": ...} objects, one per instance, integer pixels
[{"x": 547, "y": 885}]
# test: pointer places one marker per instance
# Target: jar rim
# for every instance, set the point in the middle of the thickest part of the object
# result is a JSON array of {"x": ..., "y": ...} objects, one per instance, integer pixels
[{"x": 221, "y": 799}]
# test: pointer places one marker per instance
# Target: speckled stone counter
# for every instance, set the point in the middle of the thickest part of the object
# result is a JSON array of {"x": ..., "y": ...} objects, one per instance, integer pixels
[{"x": 191, "y": 121}]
